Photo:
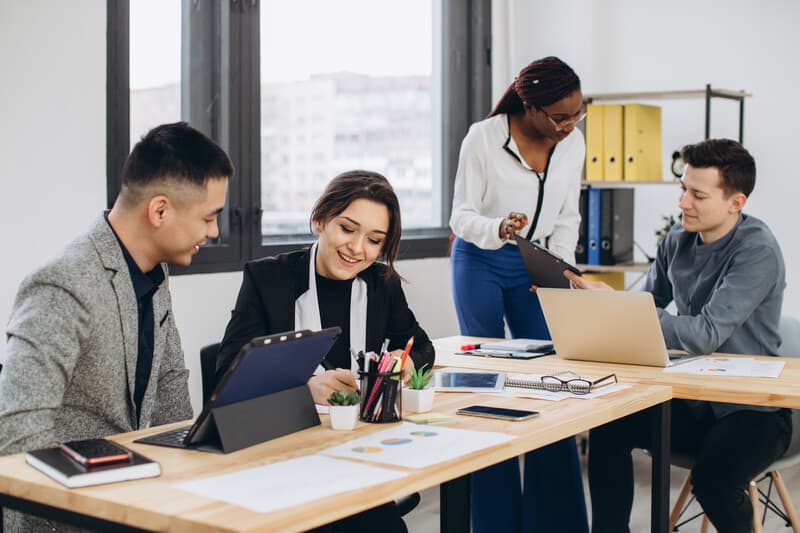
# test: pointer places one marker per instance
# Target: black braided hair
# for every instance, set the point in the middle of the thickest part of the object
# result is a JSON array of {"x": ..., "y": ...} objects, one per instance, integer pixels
[{"x": 543, "y": 82}]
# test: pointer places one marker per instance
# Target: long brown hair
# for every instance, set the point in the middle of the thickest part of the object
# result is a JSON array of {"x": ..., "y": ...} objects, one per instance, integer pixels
[
  {"x": 543, "y": 82},
  {"x": 353, "y": 185}
]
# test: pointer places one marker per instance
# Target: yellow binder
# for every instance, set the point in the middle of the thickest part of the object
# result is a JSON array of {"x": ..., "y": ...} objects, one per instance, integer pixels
[
  {"x": 615, "y": 279},
  {"x": 612, "y": 142},
  {"x": 594, "y": 142},
  {"x": 642, "y": 142}
]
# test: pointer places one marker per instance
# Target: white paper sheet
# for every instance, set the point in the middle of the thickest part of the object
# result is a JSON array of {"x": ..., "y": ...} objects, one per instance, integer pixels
[
  {"x": 288, "y": 483},
  {"x": 729, "y": 366},
  {"x": 413, "y": 446}
]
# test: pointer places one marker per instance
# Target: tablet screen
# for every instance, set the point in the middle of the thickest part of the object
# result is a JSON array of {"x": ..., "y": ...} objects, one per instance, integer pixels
[{"x": 469, "y": 381}]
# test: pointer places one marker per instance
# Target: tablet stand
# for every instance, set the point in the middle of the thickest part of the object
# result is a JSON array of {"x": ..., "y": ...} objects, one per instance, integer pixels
[{"x": 242, "y": 424}]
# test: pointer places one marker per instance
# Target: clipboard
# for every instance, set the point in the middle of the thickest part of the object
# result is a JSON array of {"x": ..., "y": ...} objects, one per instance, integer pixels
[{"x": 545, "y": 269}]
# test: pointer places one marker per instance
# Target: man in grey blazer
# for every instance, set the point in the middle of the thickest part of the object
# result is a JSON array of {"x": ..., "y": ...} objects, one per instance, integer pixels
[{"x": 92, "y": 345}]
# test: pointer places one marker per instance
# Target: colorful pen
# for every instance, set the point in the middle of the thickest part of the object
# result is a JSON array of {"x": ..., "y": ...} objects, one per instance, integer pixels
[
  {"x": 409, "y": 344},
  {"x": 470, "y": 347}
]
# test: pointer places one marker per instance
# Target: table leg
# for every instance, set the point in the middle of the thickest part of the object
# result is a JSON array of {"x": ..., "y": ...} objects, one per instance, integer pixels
[
  {"x": 454, "y": 511},
  {"x": 660, "y": 450}
]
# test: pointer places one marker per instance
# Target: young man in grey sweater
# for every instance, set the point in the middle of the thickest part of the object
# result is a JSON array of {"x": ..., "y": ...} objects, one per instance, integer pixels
[{"x": 724, "y": 271}]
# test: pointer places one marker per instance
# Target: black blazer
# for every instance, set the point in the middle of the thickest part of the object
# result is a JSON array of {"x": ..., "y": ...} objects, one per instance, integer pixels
[{"x": 270, "y": 286}]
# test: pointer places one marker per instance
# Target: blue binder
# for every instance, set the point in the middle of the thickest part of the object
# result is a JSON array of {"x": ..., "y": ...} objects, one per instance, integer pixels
[{"x": 593, "y": 227}]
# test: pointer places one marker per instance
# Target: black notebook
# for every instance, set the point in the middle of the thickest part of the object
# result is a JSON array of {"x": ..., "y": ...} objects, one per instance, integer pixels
[{"x": 70, "y": 473}]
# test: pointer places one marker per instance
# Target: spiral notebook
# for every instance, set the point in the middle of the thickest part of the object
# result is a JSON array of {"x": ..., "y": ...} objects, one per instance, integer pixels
[{"x": 534, "y": 381}]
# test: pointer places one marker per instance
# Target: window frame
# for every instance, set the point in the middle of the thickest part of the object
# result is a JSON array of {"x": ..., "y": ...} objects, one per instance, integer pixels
[{"x": 234, "y": 118}]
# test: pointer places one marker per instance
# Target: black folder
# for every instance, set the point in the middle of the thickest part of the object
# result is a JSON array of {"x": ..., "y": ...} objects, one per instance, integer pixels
[
  {"x": 616, "y": 226},
  {"x": 581, "y": 255}
]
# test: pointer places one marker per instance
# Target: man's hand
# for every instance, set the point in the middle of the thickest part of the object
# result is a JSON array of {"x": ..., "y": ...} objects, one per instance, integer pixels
[
  {"x": 324, "y": 385},
  {"x": 512, "y": 225},
  {"x": 579, "y": 282}
]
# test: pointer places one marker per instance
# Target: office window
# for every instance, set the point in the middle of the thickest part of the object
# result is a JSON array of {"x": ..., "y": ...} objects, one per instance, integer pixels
[
  {"x": 155, "y": 64},
  {"x": 298, "y": 92},
  {"x": 359, "y": 93}
]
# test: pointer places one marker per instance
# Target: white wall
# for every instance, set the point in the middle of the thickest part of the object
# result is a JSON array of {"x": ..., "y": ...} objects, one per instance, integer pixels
[
  {"x": 52, "y": 130},
  {"x": 635, "y": 45}
]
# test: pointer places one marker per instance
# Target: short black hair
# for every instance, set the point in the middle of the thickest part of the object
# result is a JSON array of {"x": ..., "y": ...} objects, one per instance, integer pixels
[
  {"x": 737, "y": 168},
  {"x": 174, "y": 152},
  {"x": 349, "y": 186}
]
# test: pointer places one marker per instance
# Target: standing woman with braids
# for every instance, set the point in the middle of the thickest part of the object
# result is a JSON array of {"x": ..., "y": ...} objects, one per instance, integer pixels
[{"x": 519, "y": 172}]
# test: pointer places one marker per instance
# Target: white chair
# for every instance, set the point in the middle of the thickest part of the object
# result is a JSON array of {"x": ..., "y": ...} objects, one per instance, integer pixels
[{"x": 790, "y": 347}]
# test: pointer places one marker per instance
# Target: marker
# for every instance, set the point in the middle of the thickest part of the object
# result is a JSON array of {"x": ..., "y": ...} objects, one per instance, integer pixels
[{"x": 470, "y": 347}]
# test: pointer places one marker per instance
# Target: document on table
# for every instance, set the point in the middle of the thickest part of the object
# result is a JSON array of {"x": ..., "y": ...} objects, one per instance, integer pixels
[
  {"x": 540, "y": 394},
  {"x": 288, "y": 483},
  {"x": 413, "y": 446},
  {"x": 729, "y": 366}
]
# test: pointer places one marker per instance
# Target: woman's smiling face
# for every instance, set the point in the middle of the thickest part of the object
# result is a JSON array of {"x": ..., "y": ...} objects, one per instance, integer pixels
[{"x": 351, "y": 241}]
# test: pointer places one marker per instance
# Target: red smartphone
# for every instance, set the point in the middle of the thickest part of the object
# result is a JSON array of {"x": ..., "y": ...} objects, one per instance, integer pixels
[{"x": 96, "y": 451}]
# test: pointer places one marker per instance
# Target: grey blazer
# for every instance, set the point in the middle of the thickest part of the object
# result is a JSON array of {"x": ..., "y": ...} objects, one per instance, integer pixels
[{"x": 72, "y": 348}]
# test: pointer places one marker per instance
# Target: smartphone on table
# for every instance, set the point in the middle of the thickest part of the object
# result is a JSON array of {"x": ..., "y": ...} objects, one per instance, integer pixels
[
  {"x": 497, "y": 412},
  {"x": 96, "y": 451}
]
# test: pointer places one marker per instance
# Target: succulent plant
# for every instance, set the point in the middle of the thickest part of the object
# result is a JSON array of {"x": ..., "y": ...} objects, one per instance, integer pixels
[
  {"x": 344, "y": 397},
  {"x": 419, "y": 378}
]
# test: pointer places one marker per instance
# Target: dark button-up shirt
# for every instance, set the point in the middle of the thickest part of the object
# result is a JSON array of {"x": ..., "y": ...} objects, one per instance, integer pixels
[{"x": 145, "y": 285}]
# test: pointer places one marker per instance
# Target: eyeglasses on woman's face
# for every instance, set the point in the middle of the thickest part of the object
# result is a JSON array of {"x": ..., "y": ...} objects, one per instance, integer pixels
[{"x": 562, "y": 120}]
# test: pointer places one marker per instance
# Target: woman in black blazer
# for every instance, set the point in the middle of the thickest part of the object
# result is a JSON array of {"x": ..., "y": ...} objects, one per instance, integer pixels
[{"x": 357, "y": 219}]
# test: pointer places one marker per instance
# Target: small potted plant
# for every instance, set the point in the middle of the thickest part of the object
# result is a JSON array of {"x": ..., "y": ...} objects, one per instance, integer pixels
[
  {"x": 344, "y": 409},
  {"x": 418, "y": 397}
]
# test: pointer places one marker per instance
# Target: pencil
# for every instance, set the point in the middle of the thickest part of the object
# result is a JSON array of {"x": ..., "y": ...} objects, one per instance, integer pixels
[{"x": 409, "y": 344}]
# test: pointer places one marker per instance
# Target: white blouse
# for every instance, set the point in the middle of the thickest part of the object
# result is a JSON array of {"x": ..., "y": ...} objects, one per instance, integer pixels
[{"x": 490, "y": 183}]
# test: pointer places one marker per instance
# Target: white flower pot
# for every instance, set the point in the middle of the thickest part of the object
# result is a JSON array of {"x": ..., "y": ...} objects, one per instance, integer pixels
[
  {"x": 418, "y": 400},
  {"x": 344, "y": 416}
]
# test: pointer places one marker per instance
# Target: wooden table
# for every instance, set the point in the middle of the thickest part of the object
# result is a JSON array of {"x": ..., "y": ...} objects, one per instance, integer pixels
[
  {"x": 783, "y": 391},
  {"x": 777, "y": 392},
  {"x": 155, "y": 504}
]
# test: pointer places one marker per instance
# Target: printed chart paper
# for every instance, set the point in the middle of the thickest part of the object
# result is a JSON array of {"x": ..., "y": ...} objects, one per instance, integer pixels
[
  {"x": 413, "y": 446},
  {"x": 296, "y": 481},
  {"x": 729, "y": 366}
]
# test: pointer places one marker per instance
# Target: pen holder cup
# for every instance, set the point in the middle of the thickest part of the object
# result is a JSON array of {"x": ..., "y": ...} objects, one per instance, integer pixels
[{"x": 381, "y": 398}]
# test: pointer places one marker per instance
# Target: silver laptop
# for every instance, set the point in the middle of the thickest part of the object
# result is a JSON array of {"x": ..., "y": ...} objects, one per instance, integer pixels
[{"x": 606, "y": 326}]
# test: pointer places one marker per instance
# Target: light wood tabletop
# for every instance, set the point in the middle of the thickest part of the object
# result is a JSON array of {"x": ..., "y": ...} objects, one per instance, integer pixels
[
  {"x": 783, "y": 391},
  {"x": 156, "y": 504}
]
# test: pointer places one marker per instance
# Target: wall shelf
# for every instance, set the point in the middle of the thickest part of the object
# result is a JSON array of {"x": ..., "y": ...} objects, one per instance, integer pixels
[
  {"x": 708, "y": 93},
  {"x": 621, "y": 267},
  {"x": 619, "y": 184}
]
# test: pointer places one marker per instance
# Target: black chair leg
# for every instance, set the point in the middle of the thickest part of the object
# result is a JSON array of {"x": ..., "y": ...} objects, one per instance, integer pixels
[{"x": 407, "y": 503}]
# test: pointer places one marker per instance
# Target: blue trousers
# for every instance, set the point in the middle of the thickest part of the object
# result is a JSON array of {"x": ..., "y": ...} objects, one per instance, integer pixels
[
  {"x": 492, "y": 285},
  {"x": 488, "y": 287}
]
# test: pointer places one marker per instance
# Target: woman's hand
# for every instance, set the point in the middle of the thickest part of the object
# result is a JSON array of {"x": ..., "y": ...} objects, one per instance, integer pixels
[
  {"x": 512, "y": 225},
  {"x": 324, "y": 385},
  {"x": 579, "y": 282},
  {"x": 409, "y": 366}
]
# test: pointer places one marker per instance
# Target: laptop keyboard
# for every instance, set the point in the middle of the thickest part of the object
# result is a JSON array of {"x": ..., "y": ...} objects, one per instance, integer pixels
[{"x": 174, "y": 438}]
